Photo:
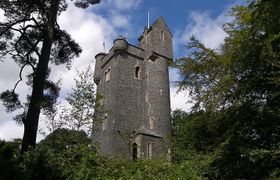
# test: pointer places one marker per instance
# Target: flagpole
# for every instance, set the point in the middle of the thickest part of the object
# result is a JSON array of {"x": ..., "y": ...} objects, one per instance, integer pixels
[{"x": 148, "y": 20}]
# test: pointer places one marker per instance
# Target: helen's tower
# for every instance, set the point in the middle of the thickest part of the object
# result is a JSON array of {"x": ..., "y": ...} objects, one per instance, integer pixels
[{"x": 134, "y": 83}]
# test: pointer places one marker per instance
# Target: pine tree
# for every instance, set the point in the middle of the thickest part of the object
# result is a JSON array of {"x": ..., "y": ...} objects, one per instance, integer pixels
[{"x": 31, "y": 36}]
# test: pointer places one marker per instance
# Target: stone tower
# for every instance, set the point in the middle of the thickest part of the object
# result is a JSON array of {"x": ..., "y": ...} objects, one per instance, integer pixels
[{"x": 134, "y": 84}]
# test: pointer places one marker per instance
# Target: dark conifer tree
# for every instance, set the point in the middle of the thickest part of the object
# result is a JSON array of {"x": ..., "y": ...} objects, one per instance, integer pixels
[{"x": 31, "y": 36}]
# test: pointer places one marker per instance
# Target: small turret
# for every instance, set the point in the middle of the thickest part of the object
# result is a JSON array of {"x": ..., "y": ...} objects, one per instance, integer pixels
[
  {"x": 97, "y": 71},
  {"x": 120, "y": 44}
]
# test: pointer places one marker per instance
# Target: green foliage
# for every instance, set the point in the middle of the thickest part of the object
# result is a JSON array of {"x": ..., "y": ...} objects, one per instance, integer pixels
[
  {"x": 9, "y": 152},
  {"x": 71, "y": 155},
  {"x": 31, "y": 36},
  {"x": 64, "y": 154},
  {"x": 61, "y": 139},
  {"x": 235, "y": 120},
  {"x": 146, "y": 169},
  {"x": 67, "y": 154},
  {"x": 83, "y": 102}
]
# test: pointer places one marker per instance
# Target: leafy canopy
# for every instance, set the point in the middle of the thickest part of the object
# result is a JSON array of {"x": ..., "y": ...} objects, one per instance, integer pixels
[{"x": 235, "y": 90}]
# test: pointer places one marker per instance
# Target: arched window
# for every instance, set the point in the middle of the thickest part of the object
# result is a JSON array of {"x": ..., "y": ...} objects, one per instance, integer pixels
[
  {"x": 137, "y": 72},
  {"x": 134, "y": 151},
  {"x": 105, "y": 122},
  {"x": 152, "y": 123},
  {"x": 149, "y": 150},
  {"x": 107, "y": 75}
]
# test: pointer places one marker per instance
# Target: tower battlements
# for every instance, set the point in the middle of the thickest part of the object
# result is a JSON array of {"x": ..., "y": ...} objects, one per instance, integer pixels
[{"x": 134, "y": 84}]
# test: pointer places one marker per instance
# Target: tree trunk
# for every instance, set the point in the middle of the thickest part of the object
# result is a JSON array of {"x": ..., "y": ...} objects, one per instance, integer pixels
[{"x": 33, "y": 113}]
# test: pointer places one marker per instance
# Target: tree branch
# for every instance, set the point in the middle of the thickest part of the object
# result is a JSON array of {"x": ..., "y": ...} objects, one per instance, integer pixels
[
  {"x": 20, "y": 77},
  {"x": 10, "y": 26}
]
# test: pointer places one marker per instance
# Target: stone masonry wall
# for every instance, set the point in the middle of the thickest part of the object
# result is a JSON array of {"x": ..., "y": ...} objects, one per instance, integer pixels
[{"x": 131, "y": 103}]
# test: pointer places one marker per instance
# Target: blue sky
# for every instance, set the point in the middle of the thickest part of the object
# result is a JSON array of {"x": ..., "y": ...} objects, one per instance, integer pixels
[
  {"x": 178, "y": 14},
  {"x": 106, "y": 21}
]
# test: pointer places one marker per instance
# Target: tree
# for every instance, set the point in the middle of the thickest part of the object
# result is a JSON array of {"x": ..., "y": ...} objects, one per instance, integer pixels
[
  {"x": 63, "y": 154},
  {"x": 238, "y": 88},
  {"x": 83, "y": 103},
  {"x": 193, "y": 139},
  {"x": 32, "y": 37},
  {"x": 51, "y": 119},
  {"x": 9, "y": 152},
  {"x": 62, "y": 139}
]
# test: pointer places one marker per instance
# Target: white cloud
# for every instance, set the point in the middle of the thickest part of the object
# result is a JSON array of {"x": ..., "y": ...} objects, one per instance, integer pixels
[
  {"x": 120, "y": 20},
  {"x": 2, "y": 15},
  {"x": 126, "y": 4},
  {"x": 10, "y": 130},
  {"x": 179, "y": 100},
  {"x": 208, "y": 30},
  {"x": 205, "y": 28},
  {"x": 87, "y": 28}
]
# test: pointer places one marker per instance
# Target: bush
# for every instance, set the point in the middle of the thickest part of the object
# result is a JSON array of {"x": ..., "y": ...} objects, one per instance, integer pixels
[{"x": 68, "y": 154}]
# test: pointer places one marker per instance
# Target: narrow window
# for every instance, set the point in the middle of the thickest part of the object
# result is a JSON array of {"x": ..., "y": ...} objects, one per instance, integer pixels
[
  {"x": 162, "y": 36},
  {"x": 104, "y": 125},
  {"x": 150, "y": 150},
  {"x": 105, "y": 122},
  {"x": 134, "y": 151},
  {"x": 107, "y": 75},
  {"x": 137, "y": 72},
  {"x": 152, "y": 122}
]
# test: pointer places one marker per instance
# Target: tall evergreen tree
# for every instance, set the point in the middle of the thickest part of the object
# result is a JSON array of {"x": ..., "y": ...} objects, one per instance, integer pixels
[{"x": 31, "y": 36}]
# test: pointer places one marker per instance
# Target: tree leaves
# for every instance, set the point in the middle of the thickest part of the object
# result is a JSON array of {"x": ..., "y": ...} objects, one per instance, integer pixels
[
  {"x": 83, "y": 103},
  {"x": 85, "y": 3},
  {"x": 237, "y": 89},
  {"x": 64, "y": 48},
  {"x": 31, "y": 36},
  {"x": 10, "y": 100}
]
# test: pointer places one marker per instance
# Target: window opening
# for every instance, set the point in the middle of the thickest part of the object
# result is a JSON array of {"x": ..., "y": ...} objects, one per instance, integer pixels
[
  {"x": 152, "y": 122},
  {"x": 134, "y": 151},
  {"x": 162, "y": 36},
  {"x": 105, "y": 122},
  {"x": 150, "y": 150},
  {"x": 107, "y": 75},
  {"x": 137, "y": 72}
]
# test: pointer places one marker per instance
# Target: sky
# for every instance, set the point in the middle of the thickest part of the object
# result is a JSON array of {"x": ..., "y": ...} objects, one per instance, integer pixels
[{"x": 106, "y": 21}]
